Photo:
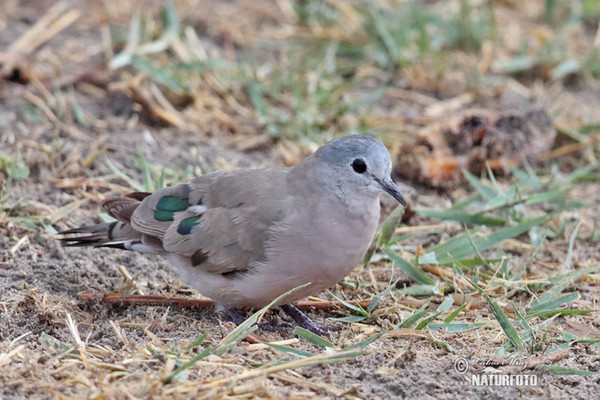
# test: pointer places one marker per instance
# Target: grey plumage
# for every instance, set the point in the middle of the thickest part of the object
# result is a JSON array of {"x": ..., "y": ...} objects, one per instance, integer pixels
[{"x": 243, "y": 237}]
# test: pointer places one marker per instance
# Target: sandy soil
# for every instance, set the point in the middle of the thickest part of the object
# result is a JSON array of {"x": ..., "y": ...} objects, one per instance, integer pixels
[{"x": 129, "y": 349}]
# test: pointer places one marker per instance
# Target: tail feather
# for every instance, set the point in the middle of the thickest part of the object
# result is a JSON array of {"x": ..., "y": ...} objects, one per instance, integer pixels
[
  {"x": 116, "y": 234},
  {"x": 113, "y": 234}
]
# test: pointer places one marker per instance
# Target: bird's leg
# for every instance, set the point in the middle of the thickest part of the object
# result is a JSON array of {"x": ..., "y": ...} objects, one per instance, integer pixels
[
  {"x": 237, "y": 318},
  {"x": 303, "y": 321}
]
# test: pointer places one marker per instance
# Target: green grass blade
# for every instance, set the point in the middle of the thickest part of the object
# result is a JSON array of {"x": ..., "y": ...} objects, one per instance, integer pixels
[
  {"x": 313, "y": 338},
  {"x": 546, "y": 196},
  {"x": 573, "y": 275},
  {"x": 157, "y": 74},
  {"x": 409, "y": 269},
  {"x": 64, "y": 211},
  {"x": 461, "y": 204},
  {"x": 527, "y": 177},
  {"x": 554, "y": 303},
  {"x": 384, "y": 33},
  {"x": 197, "y": 342},
  {"x": 445, "y": 305},
  {"x": 443, "y": 344},
  {"x": 455, "y": 327},
  {"x": 507, "y": 327},
  {"x": 521, "y": 270},
  {"x": 204, "y": 353},
  {"x": 559, "y": 370},
  {"x": 249, "y": 325},
  {"x": 388, "y": 226},
  {"x": 353, "y": 307},
  {"x": 351, "y": 318},
  {"x": 377, "y": 298},
  {"x": 366, "y": 342},
  {"x": 412, "y": 320},
  {"x": 424, "y": 322},
  {"x": 551, "y": 293},
  {"x": 545, "y": 314},
  {"x": 442, "y": 308},
  {"x": 460, "y": 246},
  {"x": 451, "y": 317},
  {"x": 486, "y": 191},
  {"x": 528, "y": 335},
  {"x": 289, "y": 350},
  {"x": 567, "y": 264},
  {"x": 464, "y": 217},
  {"x": 384, "y": 233},
  {"x": 143, "y": 164},
  {"x": 256, "y": 98},
  {"x": 130, "y": 181}
]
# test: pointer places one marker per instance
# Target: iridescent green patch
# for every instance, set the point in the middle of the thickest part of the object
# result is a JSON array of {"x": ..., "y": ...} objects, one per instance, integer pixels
[
  {"x": 186, "y": 225},
  {"x": 168, "y": 206}
]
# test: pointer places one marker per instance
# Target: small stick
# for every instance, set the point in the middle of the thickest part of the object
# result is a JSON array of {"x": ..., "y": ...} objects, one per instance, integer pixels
[
  {"x": 513, "y": 367},
  {"x": 164, "y": 301},
  {"x": 145, "y": 300},
  {"x": 329, "y": 305},
  {"x": 254, "y": 339}
]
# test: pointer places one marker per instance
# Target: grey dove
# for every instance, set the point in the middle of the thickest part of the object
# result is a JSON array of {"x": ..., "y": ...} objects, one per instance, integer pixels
[{"x": 244, "y": 237}]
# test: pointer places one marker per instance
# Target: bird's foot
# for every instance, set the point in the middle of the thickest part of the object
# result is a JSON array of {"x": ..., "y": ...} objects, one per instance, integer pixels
[
  {"x": 298, "y": 316},
  {"x": 234, "y": 315},
  {"x": 237, "y": 318},
  {"x": 304, "y": 322}
]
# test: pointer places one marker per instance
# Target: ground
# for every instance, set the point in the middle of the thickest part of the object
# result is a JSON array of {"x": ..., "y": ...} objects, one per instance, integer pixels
[{"x": 87, "y": 110}]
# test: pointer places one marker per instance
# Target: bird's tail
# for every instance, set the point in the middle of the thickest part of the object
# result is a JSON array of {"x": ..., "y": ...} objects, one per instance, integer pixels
[
  {"x": 119, "y": 234},
  {"x": 116, "y": 234}
]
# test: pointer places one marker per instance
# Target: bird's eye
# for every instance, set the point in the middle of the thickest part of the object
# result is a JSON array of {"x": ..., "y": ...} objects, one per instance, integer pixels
[{"x": 359, "y": 166}]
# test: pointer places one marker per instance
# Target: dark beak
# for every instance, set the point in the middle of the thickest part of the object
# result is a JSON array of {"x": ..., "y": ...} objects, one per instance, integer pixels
[{"x": 392, "y": 189}]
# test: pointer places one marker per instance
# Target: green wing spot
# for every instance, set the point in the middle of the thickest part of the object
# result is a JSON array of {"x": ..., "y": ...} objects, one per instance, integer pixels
[
  {"x": 186, "y": 225},
  {"x": 172, "y": 203},
  {"x": 163, "y": 215},
  {"x": 167, "y": 206}
]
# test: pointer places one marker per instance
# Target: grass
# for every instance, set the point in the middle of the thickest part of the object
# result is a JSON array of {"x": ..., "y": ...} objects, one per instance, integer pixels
[
  {"x": 14, "y": 169},
  {"x": 499, "y": 211},
  {"x": 312, "y": 87},
  {"x": 408, "y": 31},
  {"x": 154, "y": 175},
  {"x": 498, "y": 272}
]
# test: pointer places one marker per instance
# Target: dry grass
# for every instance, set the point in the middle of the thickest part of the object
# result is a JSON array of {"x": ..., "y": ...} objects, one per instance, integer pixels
[{"x": 114, "y": 96}]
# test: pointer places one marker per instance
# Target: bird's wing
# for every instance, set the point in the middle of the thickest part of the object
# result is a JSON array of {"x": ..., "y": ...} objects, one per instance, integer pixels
[{"x": 221, "y": 221}]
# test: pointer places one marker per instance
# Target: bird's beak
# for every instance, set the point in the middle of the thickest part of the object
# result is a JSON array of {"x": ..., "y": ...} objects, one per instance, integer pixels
[{"x": 392, "y": 189}]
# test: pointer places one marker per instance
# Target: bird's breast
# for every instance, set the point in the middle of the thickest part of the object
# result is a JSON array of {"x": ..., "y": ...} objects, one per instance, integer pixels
[
  {"x": 325, "y": 243},
  {"x": 319, "y": 245}
]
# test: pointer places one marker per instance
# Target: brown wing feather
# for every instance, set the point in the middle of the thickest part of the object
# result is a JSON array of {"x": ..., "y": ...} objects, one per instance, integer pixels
[
  {"x": 120, "y": 207},
  {"x": 229, "y": 230},
  {"x": 231, "y": 233},
  {"x": 143, "y": 218}
]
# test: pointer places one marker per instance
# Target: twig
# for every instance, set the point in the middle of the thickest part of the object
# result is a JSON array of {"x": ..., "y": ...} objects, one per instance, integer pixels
[
  {"x": 145, "y": 300},
  {"x": 532, "y": 362},
  {"x": 42, "y": 31},
  {"x": 58, "y": 83},
  {"x": 183, "y": 302},
  {"x": 329, "y": 305}
]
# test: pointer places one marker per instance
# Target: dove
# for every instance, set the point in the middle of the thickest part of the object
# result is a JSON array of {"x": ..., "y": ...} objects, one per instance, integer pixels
[{"x": 244, "y": 237}]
